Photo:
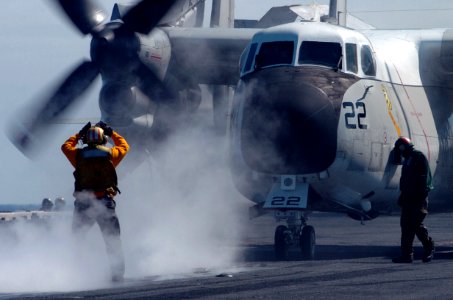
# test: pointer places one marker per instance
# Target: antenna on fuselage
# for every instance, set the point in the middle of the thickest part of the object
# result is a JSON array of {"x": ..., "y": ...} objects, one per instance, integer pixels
[{"x": 337, "y": 12}]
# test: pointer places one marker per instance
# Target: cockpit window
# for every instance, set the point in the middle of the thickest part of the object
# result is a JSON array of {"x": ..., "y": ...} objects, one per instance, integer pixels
[
  {"x": 275, "y": 53},
  {"x": 368, "y": 64},
  {"x": 321, "y": 53},
  {"x": 351, "y": 57},
  {"x": 250, "y": 57}
]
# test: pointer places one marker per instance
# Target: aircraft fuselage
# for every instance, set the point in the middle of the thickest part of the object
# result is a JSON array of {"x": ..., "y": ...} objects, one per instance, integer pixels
[{"x": 322, "y": 106}]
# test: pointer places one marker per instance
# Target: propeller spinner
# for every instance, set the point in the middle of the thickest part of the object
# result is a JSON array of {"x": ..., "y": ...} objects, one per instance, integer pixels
[{"x": 112, "y": 42}]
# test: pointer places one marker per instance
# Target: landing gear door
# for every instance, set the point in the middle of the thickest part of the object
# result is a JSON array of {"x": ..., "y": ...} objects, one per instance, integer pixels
[{"x": 287, "y": 196}]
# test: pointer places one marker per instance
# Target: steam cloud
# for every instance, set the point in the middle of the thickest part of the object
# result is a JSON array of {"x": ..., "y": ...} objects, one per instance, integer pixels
[
  {"x": 179, "y": 213},
  {"x": 182, "y": 211}
]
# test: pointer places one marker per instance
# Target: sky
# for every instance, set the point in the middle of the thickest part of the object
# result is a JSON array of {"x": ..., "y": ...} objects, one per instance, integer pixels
[{"x": 39, "y": 47}]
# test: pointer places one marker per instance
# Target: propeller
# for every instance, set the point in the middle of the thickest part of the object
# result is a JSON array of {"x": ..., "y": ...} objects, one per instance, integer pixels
[
  {"x": 114, "y": 53},
  {"x": 85, "y": 14},
  {"x": 144, "y": 16}
]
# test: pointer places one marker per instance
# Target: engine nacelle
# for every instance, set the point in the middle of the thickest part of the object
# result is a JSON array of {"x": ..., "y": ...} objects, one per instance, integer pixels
[
  {"x": 155, "y": 51},
  {"x": 120, "y": 104}
]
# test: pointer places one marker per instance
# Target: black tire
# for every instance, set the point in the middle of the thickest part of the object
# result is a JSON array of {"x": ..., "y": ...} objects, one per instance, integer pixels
[
  {"x": 308, "y": 242},
  {"x": 280, "y": 243}
]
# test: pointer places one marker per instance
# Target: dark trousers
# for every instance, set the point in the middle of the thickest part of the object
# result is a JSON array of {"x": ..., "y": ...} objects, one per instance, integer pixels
[
  {"x": 412, "y": 225},
  {"x": 87, "y": 211}
]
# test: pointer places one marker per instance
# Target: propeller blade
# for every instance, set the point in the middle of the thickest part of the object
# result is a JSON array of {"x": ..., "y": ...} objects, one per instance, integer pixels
[
  {"x": 144, "y": 16},
  {"x": 84, "y": 14},
  {"x": 66, "y": 94}
]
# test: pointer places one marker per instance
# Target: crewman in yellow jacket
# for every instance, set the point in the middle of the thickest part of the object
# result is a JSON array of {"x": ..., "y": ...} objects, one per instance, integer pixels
[{"x": 96, "y": 185}]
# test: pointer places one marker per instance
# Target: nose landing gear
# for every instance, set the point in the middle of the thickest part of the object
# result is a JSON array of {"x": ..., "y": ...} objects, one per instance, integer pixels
[
  {"x": 296, "y": 232},
  {"x": 307, "y": 242},
  {"x": 283, "y": 238}
]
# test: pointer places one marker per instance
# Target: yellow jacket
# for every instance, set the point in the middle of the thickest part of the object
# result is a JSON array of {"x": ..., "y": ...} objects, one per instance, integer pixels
[{"x": 118, "y": 152}]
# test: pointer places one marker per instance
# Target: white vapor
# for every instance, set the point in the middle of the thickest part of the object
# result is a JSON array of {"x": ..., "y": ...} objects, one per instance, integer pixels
[
  {"x": 42, "y": 256},
  {"x": 179, "y": 213}
]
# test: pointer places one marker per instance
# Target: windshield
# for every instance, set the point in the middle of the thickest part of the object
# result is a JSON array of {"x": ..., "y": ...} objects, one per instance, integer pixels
[
  {"x": 275, "y": 53},
  {"x": 320, "y": 53}
]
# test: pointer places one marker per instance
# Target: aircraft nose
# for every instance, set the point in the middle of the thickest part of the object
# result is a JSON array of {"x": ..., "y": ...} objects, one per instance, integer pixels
[{"x": 289, "y": 126}]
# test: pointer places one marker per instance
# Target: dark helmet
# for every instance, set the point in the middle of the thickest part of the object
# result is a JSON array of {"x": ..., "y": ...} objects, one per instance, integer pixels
[
  {"x": 59, "y": 200},
  {"x": 59, "y": 203},
  {"x": 95, "y": 136},
  {"x": 46, "y": 204},
  {"x": 403, "y": 145}
]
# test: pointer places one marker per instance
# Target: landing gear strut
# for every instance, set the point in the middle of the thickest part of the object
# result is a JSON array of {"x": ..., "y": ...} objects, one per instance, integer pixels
[{"x": 297, "y": 231}]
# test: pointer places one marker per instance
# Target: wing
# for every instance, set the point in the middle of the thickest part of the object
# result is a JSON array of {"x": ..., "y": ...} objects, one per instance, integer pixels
[{"x": 208, "y": 55}]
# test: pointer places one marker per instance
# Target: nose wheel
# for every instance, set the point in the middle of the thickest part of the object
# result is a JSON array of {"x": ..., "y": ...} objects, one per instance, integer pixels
[
  {"x": 307, "y": 242},
  {"x": 282, "y": 242},
  {"x": 297, "y": 232}
]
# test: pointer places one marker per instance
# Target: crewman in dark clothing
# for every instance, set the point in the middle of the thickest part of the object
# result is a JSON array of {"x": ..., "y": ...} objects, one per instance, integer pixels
[
  {"x": 46, "y": 204},
  {"x": 415, "y": 184},
  {"x": 59, "y": 204},
  {"x": 96, "y": 185}
]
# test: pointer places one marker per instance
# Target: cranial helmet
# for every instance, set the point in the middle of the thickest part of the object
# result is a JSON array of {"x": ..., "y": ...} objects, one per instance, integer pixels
[
  {"x": 95, "y": 136},
  {"x": 46, "y": 201},
  {"x": 59, "y": 200},
  {"x": 403, "y": 145},
  {"x": 46, "y": 204},
  {"x": 59, "y": 203}
]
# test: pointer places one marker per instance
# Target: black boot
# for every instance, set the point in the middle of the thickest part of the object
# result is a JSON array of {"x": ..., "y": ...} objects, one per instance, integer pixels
[
  {"x": 403, "y": 259},
  {"x": 428, "y": 252}
]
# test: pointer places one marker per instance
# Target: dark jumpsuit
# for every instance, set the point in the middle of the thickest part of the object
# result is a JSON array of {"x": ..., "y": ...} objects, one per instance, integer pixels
[{"x": 414, "y": 186}]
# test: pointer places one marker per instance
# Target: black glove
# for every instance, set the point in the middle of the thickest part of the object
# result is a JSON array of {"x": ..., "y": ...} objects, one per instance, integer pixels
[
  {"x": 84, "y": 130},
  {"x": 101, "y": 124},
  {"x": 107, "y": 129}
]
